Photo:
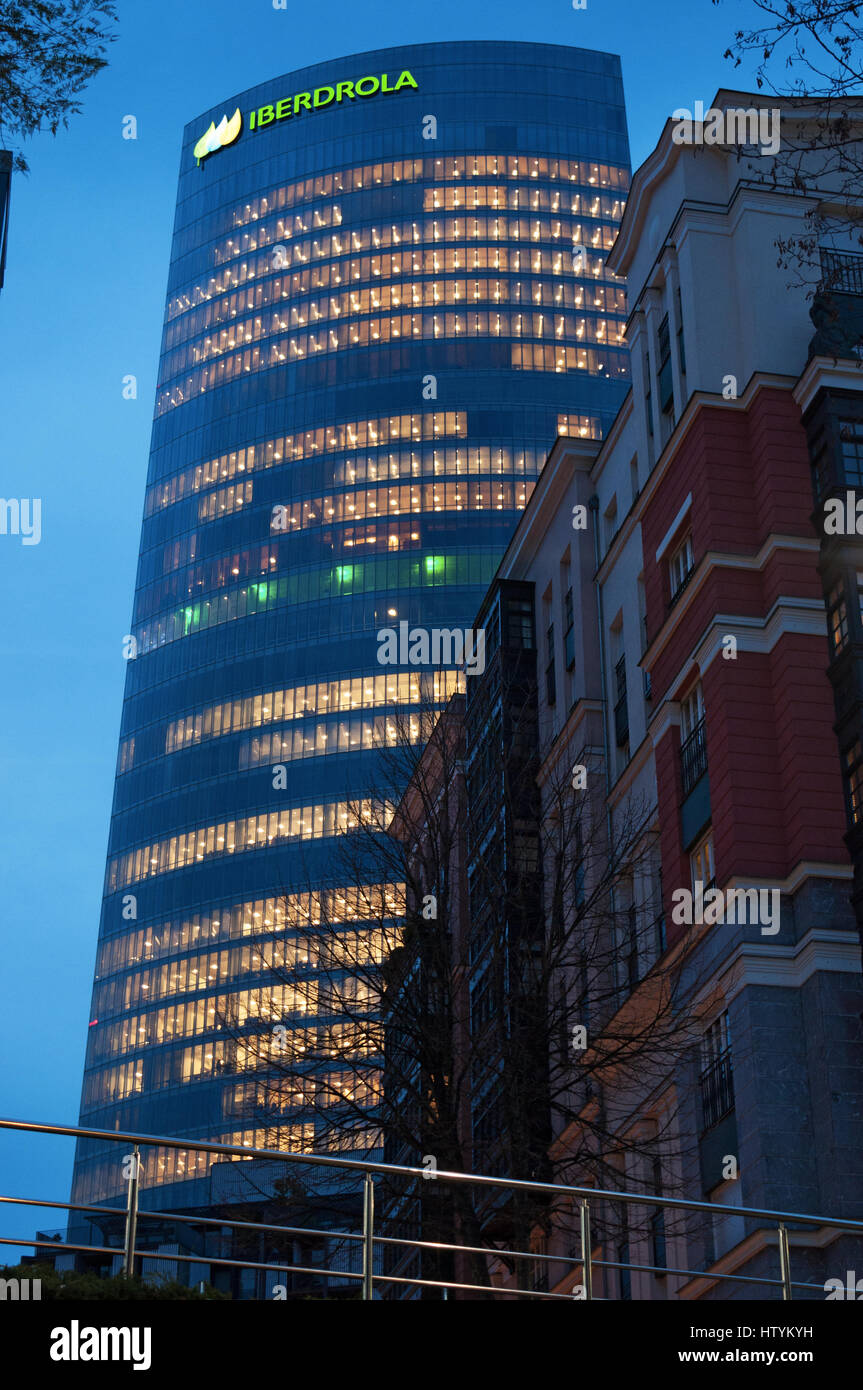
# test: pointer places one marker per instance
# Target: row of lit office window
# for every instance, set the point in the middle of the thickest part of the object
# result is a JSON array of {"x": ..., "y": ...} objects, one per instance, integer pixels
[
  {"x": 499, "y": 323},
  {"x": 378, "y": 332},
  {"x": 302, "y": 701},
  {"x": 514, "y": 197},
  {"x": 178, "y": 1064},
  {"x": 101, "y": 1178},
  {"x": 258, "y": 916},
  {"x": 321, "y": 1089},
  {"x": 316, "y": 822},
  {"x": 322, "y": 265},
  {"x": 534, "y": 357},
  {"x": 223, "y": 502},
  {"x": 411, "y": 498},
  {"x": 422, "y": 231},
  {"x": 330, "y": 950},
  {"x": 386, "y": 501},
  {"x": 465, "y": 166},
  {"x": 455, "y": 460},
  {"x": 588, "y": 204},
  {"x": 332, "y": 736},
  {"x": 325, "y": 439},
  {"x": 230, "y": 1012},
  {"x": 386, "y": 528},
  {"x": 264, "y": 293},
  {"x": 270, "y": 1003},
  {"x": 380, "y": 507},
  {"x": 234, "y": 309},
  {"x": 482, "y": 323},
  {"x": 316, "y": 584}
]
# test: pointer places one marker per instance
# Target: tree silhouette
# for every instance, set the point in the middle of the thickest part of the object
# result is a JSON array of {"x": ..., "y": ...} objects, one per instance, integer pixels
[{"x": 48, "y": 54}]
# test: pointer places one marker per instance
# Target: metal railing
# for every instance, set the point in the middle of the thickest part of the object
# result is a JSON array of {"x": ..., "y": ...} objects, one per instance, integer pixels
[
  {"x": 580, "y": 1259},
  {"x": 717, "y": 1089},
  {"x": 693, "y": 757},
  {"x": 842, "y": 271}
]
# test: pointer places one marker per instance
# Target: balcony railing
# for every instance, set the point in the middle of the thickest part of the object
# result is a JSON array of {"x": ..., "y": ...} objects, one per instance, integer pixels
[
  {"x": 842, "y": 271},
  {"x": 693, "y": 757},
  {"x": 363, "y": 1267},
  {"x": 680, "y": 587},
  {"x": 717, "y": 1090}
]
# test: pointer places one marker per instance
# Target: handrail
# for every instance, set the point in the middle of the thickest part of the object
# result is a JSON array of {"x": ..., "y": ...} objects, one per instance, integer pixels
[
  {"x": 368, "y": 1239},
  {"x": 480, "y": 1179}
]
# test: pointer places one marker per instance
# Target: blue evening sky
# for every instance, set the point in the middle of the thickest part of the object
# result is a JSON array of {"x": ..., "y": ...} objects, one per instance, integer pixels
[{"x": 85, "y": 282}]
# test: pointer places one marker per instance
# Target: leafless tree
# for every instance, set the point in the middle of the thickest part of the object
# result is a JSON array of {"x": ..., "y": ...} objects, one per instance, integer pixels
[
  {"x": 813, "y": 49},
  {"x": 375, "y": 1023}
]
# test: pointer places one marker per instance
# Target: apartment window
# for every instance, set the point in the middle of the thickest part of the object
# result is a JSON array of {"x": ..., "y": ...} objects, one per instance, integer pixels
[
  {"x": 851, "y": 443},
  {"x": 659, "y": 924},
  {"x": 632, "y": 946},
  {"x": 625, "y": 1273},
  {"x": 520, "y": 623},
  {"x": 550, "y": 674},
  {"x": 642, "y": 614},
  {"x": 569, "y": 631},
  {"x": 691, "y": 712},
  {"x": 820, "y": 453},
  {"x": 648, "y": 394},
  {"x": 701, "y": 862},
  {"x": 717, "y": 1076},
  {"x": 666, "y": 384},
  {"x": 693, "y": 741},
  {"x": 681, "y": 349},
  {"x": 539, "y": 1247},
  {"x": 584, "y": 991},
  {"x": 837, "y": 617},
  {"x": 633, "y": 479},
  {"x": 680, "y": 567},
  {"x": 610, "y": 521},
  {"x": 578, "y": 886},
  {"x": 481, "y": 1004},
  {"x": 658, "y": 1255},
  {"x": 853, "y": 768},
  {"x": 562, "y": 1021},
  {"x": 621, "y": 712}
]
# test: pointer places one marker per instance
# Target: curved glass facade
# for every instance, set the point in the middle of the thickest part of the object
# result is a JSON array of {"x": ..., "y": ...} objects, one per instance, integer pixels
[{"x": 387, "y": 296}]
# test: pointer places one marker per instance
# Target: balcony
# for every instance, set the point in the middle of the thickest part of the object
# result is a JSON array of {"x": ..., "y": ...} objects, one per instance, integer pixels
[
  {"x": 841, "y": 272},
  {"x": 717, "y": 1090},
  {"x": 693, "y": 757},
  {"x": 837, "y": 306}
]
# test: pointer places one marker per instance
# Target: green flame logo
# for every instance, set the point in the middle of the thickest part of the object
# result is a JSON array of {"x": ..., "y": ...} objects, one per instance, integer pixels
[{"x": 218, "y": 136}]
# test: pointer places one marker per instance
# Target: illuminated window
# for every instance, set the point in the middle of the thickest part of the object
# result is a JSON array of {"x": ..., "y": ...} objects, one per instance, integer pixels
[
  {"x": 701, "y": 863},
  {"x": 837, "y": 617},
  {"x": 680, "y": 567},
  {"x": 852, "y": 766}
]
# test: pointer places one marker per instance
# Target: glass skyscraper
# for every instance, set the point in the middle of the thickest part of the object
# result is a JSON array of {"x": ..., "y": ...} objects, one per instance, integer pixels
[{"x": 386, "y": 298}]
